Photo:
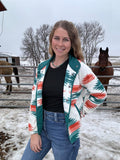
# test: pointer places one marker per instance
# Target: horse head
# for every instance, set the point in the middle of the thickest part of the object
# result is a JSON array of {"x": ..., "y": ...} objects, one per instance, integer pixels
[{"x": 103, "y": 58}]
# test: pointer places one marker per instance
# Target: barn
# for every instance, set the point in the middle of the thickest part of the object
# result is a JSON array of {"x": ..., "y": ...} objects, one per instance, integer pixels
[
  {"x": 2, "y": 7},
  {"x": 11, "y": 59}
]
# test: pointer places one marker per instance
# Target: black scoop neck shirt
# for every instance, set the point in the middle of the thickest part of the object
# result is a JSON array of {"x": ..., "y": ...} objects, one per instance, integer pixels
[{"x": 53, "y": 88}]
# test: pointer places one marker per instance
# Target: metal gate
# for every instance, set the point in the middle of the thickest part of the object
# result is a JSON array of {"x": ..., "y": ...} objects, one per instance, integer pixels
[{"x": 20, "y": 97}]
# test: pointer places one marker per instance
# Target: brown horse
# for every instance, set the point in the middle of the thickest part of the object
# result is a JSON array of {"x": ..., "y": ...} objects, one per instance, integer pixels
[
  {"x": 102, "y": 69},
  {"x": 8, "y": 71}
]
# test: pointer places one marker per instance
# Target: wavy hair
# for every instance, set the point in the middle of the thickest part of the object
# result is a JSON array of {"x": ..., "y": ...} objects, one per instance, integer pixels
[{"x": 76, "y": 50}]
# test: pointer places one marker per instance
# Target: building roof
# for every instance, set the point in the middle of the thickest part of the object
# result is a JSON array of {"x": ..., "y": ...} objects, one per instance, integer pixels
[
  {"x": 4, "y": 55},
  {"x": 2, "y": 7}
]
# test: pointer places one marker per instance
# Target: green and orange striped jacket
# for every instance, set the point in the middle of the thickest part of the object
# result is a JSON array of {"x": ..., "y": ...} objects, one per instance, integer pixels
[{"x": 82, "y": 93}]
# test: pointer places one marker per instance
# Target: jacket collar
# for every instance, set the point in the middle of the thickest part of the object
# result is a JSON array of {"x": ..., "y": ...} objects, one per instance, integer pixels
[{"x": 73, "y": 62}]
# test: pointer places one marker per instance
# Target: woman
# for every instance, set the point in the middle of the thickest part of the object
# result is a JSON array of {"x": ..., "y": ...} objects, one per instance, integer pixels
[{"x": 64, "y": 90}]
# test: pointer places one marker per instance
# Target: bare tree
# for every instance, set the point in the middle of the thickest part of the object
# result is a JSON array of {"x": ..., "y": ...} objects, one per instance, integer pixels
[
  {"x": 29, "y": 47},
  {"x": 91, "y": 34},
  {"x": 42, "y": 40},
  {"x": 35, "y": 46}
]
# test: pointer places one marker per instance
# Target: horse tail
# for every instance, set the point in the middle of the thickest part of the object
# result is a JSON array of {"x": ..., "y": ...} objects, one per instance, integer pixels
[{"x": 15, "y": 70}]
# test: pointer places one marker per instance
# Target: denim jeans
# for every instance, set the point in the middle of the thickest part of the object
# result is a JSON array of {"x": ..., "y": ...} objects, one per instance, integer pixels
[{"x": 54, "y": 135}]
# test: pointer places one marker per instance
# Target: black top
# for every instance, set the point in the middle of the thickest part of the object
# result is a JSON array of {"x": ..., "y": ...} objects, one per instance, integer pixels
[{"x": 53, "y": 88}]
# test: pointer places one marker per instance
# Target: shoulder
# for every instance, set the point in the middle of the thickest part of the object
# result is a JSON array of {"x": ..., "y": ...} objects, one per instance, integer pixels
[
  {"x": 84, "y": 66},
  {"x": 85, "y": 70},
  {"x": 74, "y": 63},
  {"x": 78, "y": 65}
]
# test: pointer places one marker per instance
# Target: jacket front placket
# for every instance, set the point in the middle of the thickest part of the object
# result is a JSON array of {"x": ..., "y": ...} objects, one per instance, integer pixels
[
  {"x": 67, "y": 93},
  {"x": 40, "y": 79}
]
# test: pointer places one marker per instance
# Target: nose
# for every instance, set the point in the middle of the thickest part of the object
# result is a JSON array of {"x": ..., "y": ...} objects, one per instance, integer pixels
[{"x": 60, "y": 43}]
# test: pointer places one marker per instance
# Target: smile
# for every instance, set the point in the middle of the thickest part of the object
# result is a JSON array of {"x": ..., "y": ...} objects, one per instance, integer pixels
[{"x": 60, "y": 50}]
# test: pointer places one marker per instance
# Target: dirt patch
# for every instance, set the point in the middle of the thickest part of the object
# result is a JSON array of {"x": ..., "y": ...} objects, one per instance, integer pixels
[
  {"x": 4, "y": 146},
  {"x": 3, "y": 151}
]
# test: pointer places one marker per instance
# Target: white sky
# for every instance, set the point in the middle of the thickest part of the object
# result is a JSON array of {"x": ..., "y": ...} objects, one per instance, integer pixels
[{"x": 22, "y": 14}]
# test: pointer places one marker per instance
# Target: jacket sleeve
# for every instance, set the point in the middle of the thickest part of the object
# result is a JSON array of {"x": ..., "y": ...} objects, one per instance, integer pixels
[
  {"x": 32, "y": 124},
  {"x": 93, "y": 91}
]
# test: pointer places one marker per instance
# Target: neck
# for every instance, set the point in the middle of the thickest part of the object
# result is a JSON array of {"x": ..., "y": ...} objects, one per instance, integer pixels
[
  {"x": 58, "y": 61},
  {"x": 103, "y": 63}
]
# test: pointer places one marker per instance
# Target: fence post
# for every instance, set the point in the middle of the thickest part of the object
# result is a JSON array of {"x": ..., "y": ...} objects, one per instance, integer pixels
[{"x": 34, "y": 72}]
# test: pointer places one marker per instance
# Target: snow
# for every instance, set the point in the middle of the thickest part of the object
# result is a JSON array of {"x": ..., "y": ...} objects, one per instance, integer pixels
[
  {"x": 100, "y": 134},
  {"x": 100, "y": 130}
]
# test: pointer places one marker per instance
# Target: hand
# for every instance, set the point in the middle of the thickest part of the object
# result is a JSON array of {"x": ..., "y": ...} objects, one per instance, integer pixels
[{"x": 36, "y": 143}]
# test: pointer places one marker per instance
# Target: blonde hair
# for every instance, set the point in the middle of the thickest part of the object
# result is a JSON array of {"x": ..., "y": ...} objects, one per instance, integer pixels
[{"x": 76, "y": 50}]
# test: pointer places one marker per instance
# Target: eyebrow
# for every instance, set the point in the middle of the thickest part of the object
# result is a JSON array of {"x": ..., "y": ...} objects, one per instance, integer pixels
[{"x": 63, "y": 37}]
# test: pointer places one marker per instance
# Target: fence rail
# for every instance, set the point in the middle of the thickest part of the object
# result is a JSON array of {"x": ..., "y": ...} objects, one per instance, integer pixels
[{"x": 31, "y": 72}]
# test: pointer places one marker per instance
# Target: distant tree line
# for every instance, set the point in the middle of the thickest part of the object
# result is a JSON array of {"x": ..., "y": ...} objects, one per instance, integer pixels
[{"x": 35, "y": 44}]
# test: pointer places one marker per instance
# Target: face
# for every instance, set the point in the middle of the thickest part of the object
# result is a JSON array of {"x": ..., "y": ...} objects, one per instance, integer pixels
[
  {"x": 61, "y": 43},
  {"x": 103, "y": 58}
]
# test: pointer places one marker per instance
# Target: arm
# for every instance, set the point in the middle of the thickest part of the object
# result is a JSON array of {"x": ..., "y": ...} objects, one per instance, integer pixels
[
  {"x": 35, "y": 142},
  {"x": 94, "y": 93},
  {"x": 32, "y": 124}
]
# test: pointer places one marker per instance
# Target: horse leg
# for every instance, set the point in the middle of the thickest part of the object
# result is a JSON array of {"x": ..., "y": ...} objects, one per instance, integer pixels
[
  {"x": 15, "y": 70},
  {"x": 9, "y": 86},
  {"x": 104, "y": 103},
  {"x": 10, "y": 90},
  {"x": 0, "y": 73}
]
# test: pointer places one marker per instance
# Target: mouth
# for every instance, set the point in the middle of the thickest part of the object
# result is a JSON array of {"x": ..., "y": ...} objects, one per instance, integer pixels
[{"x": 60, "y": 49}]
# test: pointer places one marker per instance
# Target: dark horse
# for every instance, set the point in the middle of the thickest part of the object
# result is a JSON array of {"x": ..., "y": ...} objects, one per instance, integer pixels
[
  {"x": 8, "y": 70},
  {"x": 102, "y": 69}
]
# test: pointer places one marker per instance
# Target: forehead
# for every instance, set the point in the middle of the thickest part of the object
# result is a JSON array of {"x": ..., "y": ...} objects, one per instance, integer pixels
[
  {"x": 103, "y": 52},
  {"x": 61, "y": 32}
]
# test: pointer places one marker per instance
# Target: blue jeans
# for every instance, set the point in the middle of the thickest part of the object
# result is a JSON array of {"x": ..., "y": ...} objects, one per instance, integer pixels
[{"x": 54, "y": 135}]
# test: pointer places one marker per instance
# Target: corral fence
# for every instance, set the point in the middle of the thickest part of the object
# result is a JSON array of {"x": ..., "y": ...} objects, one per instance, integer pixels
[{"x": 20, "y": 97}]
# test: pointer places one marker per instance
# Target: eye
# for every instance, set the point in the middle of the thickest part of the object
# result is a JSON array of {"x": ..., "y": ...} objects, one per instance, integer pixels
[
  {"x": 56, "y": 38},
  {"x": 66, "y": 39}
]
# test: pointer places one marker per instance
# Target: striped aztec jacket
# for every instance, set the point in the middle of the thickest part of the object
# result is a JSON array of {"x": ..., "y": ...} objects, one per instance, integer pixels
[{"x": 82, "y": 93}]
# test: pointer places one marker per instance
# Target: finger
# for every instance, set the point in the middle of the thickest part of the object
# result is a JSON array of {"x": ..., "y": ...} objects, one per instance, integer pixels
[
  {"x": 32, "y": 148},
  {"x": 40, "y": 142},
  {"x": 37, "y": 149},
  {"x": 39, "y": 146}
]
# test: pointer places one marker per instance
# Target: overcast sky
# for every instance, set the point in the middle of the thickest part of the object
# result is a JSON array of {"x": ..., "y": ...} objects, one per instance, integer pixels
[{"x": 22, "y": 14}]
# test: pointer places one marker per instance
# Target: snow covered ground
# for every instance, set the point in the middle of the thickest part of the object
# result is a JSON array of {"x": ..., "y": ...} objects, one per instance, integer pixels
[
  {"x": 100, "y": 135},
  {"x": 100, "y": 130}
]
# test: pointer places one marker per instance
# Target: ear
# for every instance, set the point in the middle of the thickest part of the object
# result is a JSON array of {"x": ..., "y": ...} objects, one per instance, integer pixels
[
  {"x": 100, "y": 49},
  {"x": 107, "y": 49}
]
